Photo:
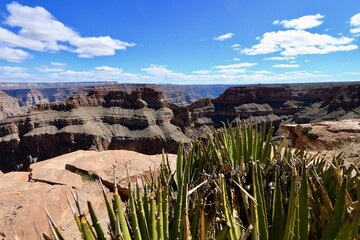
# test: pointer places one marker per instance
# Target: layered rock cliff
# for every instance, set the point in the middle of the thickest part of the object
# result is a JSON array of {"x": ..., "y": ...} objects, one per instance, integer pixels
[
  {"x": 276, "y": 103},
  {"x": 9, "y": 106},
  {"x": 140, "y": 121}
]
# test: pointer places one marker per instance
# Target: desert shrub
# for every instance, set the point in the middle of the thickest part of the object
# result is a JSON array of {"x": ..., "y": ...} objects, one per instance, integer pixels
[
  {"x": 307, "y": 132},
  {"x": 237, "y": 185}
]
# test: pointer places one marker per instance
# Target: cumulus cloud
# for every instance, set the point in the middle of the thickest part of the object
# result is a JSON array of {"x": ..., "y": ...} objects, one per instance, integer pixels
[
  {"x": 355, "y": 24},
  {"x": 39, "y": 30},
  {"x": 299, "y": 42},
  {"x": 13, "y": 55},
  {"x": 301, "y": 23},
  {"x": 223, "y": 37},
  {"x": 286, "y": 66}
]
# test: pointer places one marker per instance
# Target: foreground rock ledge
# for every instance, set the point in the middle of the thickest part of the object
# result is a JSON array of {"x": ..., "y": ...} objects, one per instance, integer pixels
[
  {"x": 22, "y": 198},
  {"x": 329, "y": 136}
]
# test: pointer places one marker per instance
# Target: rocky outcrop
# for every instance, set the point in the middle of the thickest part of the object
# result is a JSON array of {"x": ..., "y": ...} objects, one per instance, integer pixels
[
  {"x": 143, "y": 120},
  {"x": 139, "y": 121},
  {"x": 9, "y": 106},
  {"x": 23, "y": 197},
  {"x": 275, "y": 103},
  {"x": 326, "y": 135},
  {"x": 35, "y": 97},
  {"x": 235, "y": 104},
  {"x": 33, "y": 93}
]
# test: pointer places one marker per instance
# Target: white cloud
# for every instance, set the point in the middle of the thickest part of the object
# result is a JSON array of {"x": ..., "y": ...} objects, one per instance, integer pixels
[
  {"x": 234, "y": 69},
  {"x": 263, "y": 72},
  {"x": 299, "y": 42},
  {"x": 98, "y": 46},
  {"x": 352, "y": 73},
  {"x": 13, "y": 55},
  {"x": 201, "y": 72},
  {"x": 101, "y": 73},
  {"x": 46, "y": 69},
  {"x": 236, "y": 47},
  {"x": 161, "y": 74},
  {"x": 223, "y": 37},
  {"x": 39, "y": 30},
  {"x": 236, "y": 59},
  {"x": 279, "y": 58},
  {"x": 355, "y": 24},
  {"x": 58, "y": 64},
  {"x": 276, "y": 22},
  {"x": 236, "y": 65},
  {"x": 292, "y": 76},
  {"x": 301, "y": 23},
  {"x": 13, "y": 74},
  {"x": 286, "y": 66}
]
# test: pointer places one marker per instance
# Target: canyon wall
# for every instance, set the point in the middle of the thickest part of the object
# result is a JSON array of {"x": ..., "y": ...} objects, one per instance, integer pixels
[{"x": 143, "y": 120}]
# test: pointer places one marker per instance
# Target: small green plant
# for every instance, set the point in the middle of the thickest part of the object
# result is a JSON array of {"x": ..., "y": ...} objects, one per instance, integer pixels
[
  {"x": 307, "y": 132},
  {"x": 87, "y": 176},
  {"x": 239, "y": 185}
]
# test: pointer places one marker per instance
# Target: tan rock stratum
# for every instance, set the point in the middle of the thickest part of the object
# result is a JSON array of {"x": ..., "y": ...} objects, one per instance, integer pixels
[
  {"x": 23, "y": 197},
  {"x": 330, "y": 137}
]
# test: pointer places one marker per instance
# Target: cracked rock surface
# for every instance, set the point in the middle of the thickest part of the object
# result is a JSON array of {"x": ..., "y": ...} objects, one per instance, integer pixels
[{"x": 23, "y": 195}]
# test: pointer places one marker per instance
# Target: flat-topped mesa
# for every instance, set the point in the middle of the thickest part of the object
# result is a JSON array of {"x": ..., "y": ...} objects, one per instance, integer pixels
[
  {"x": 254, "y": 94},
  {"x": 139, "y": 98},
  {"x": 238, "y": 103}
]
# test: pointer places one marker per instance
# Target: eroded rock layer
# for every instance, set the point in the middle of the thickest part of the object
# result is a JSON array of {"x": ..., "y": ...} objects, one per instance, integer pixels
[
  {"x": 23, "y": 195},
  {"x": 276, "y": 103},
  {"x": 140, "y": 121}
]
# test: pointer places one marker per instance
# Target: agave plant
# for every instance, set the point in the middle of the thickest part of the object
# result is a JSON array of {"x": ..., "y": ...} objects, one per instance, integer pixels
[{"x": 237, "y": 185}]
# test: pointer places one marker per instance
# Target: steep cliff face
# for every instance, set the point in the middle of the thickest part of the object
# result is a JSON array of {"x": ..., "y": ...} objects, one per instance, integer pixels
[
  {"x": 9, "y": 106},
  {"x": 31, "y": 94},
  {"x": 238, "y": 104},
  {"x": 276, "y": 103},
  {"x": 140, "y": 121}
]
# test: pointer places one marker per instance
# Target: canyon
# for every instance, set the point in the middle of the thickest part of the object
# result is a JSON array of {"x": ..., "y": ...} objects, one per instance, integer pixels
[{"x": 144, "y": 119}]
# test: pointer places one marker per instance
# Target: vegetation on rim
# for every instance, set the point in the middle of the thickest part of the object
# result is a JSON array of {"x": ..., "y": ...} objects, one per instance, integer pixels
[{"x": 239, "y": 185}]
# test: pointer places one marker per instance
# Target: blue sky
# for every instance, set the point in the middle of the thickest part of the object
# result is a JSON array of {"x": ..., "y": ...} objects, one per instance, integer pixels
[{"x": 180, "y": 42}]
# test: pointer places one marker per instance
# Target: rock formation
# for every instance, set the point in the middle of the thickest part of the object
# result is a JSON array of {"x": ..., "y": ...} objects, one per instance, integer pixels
[
  {"x": 9, "y": 106},
  {"x": 329, "y": 137},
  {"x": 140, "y": 121},
  {"x": 276, "y": 103},
  {"x": 22, "y": 198},
  {"x": 31, "y": 93},
  {"x": 326, "y": 135}
]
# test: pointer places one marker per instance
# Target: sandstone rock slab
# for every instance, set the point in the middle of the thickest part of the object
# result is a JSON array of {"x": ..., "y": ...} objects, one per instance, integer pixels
[
  {"x": 135, "y": 164},
  {"x": 55, "y": 176},
  {"x": 22, "y": 201}
]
